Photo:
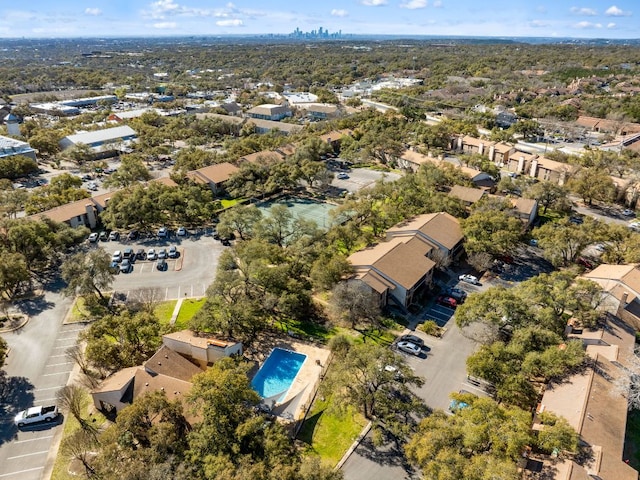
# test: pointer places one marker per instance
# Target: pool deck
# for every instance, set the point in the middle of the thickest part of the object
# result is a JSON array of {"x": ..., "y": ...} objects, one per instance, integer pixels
[{"x": 298, "y": 398}]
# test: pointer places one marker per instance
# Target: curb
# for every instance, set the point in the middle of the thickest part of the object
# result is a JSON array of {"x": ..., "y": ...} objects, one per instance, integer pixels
[
  {"x": 176, "y": 269},
  {"x": 13, "y": 329},
  {"x": 354, "y": 445}
]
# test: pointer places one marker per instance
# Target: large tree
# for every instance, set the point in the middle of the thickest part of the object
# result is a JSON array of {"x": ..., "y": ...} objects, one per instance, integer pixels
[
  {"x": 88, "y": 273},
  {"x": 491, "y": 228}
]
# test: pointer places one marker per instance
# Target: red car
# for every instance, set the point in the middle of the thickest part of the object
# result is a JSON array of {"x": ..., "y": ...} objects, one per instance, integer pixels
[{"x": 447, "y": 301}]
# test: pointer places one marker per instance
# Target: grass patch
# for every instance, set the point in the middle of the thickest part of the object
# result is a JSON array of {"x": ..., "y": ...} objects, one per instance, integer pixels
[
  {"x": 308, "y": 329},
  {"x": 228, "y": 203},
  {"x": 188, "y": 309},
  {"x": 329, "y": 434},
  {"x": 61, "y": 466},
  {"x": 164, "y": 310},
  {"x": 632, "y": 439},
  {"x": 84, "y": 311}
]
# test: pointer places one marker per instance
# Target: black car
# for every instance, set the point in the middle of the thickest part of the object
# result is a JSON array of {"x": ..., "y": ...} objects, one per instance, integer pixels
[
  {"x": 162, "y": 265},
  {"x": 128, "y": 253},
  {"x": 226, "y": 242},
  {"x": 133, "y": 235},
  {"x": 141, "y": 254}
]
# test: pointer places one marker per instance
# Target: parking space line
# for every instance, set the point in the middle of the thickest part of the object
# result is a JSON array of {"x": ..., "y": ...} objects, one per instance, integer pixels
[
  {"x": 48, "y": 388},
  {"x": 76, "y": 330},
  {"x": 465, "y": 384},
  {"x": 57, "y": 373},
  {"x": 21, "y": 471},
  {"x": 46, "y": 400},
  {"x": 58, "y": 356},
  {"x": 192, "y": 289},
  {"x": 58, "y": 364},
  {"x": 166, "y": 293},
  {"x": 34, "y": 439},
  {"x": 28, "y": 454},
  {"x": 178, "y": 291}
]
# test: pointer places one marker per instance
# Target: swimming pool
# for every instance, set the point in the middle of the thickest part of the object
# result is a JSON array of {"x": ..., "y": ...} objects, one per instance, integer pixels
[{"x": 277, "y": 373}]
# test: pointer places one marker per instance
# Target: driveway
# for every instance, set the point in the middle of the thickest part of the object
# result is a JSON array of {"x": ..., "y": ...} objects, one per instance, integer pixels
[
  {"x": 360, "y": 178},
  {"x": 36, "y": 369}
]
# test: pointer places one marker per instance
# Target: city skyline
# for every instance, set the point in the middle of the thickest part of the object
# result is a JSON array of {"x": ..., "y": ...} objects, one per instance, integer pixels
[{"x": 499, "y": 18}]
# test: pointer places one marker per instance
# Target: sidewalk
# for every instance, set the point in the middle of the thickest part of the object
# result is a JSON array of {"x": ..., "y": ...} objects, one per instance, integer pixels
[{"x": 176, "y": 311}]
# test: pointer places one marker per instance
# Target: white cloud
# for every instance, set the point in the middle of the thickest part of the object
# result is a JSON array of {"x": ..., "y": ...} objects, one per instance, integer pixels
[
  {"x": 233, "y": 22},
  {"x": 585, "y": 25},
  {"x": 339, "y": 12},
  {"x": 165, "y": 25},
  {"x": 414, "y": 4},
  {"x": 373, "y": 3},
  {"x": 92, "y": 11},
  {"x": 614, "y": 11},
  {"x": 587, "y": 12},
  {"x": 611, "y": 25},
  {"x": 538, "y": 24},
  {"x": 437, "y": 3},
  {"x": 541, "y": 9}
]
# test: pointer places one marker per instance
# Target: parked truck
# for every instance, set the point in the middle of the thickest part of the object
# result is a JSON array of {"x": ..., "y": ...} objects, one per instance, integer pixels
[{"x": 36, "y": 414}]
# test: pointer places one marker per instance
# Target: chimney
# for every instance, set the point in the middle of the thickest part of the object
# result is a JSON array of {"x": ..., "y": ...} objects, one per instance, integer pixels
[
  {"x": 520, "y": 164},
  {"x": 481, "y": 148},
  {"x": 534, "y": 168},
  {"x": 623, "y": 300}
]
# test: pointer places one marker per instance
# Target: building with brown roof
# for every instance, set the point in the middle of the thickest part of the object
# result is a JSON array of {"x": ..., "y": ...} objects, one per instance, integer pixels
[
  {"x": 334, "y": 137},
  {"x": 401, "y": 267},
  {"x": 202, "y": 349},
  {"x": 471, "y": 145},
  {"x": 215, "y": 175},
  {"x": 622, "y": 285},
  {"x": 166, "y": 370},
  {"x": 466, "y": 195},
  {"x": 526, "y": 209},
  {"x": 523, "y": 163},
  {"x": 263, "y": 156},
  {"x": 591, "y": 404}
]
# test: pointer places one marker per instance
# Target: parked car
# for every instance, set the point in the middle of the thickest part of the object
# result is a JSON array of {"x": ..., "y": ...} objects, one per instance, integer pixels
[
  {"x": 226, "y": 242},
  {"x": 458, "y": 294},
  {"x": 343, "y": 176},
  {"x": 162, "y": 254},
  {"x": 412, "y": 339},
  {"x": 447, "y": 301},
  {"x": 576, "y": 220},
  {"x": 151, "y": 254},
  {"x": 128, "y": 253},
  {"x": 181, "y": 232},
  {"x": 469, "y": 279},
  {"x": 126, "y": 266},
  {"x": 628, "y": 213},
  {"x": 114, "y": 236},
  {"x": 409, "y": 347},
  {"x": 117, "y": 256},
  {"x": 104, "y": 236},
  {"x": 585, "y": 262},
  {"x": 141, "y": 254},
  {"x": 163, "y": 232},
  {"x": 635, "y": 226},
  {"x": 133, "y": 235},
  {"x": 533, "y": 242},
  {"x": 173, "y": 252},
  {"x": 93, "y": 237},
  {"x": 114, "y": 267},
  {"x": 35, "y": 415},
  {"x": 162, "y": 265}
]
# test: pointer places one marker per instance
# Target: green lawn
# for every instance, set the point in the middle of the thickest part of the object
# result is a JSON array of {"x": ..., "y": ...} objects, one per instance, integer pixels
[
  {"x": 330, "y": 434},
  {"x": 228, "y": 203},
  {"x": 189, "y": 308},
  {"x": 61, "y": 466},
  {"x": 308, "y": 329},
  {"x": 82, "y": 312},
  {"x": 164, "y": 310}
]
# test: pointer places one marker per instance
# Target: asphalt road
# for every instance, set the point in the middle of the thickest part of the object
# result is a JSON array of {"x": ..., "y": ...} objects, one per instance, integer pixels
[
  {"x": 187, "y": 276},
  {"x": 360, "y": 178},
  {"x": 36, "y": 368}
]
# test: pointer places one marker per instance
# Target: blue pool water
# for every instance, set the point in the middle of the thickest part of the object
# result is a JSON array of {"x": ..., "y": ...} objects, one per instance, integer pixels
[{"x": 277, "y": 373}]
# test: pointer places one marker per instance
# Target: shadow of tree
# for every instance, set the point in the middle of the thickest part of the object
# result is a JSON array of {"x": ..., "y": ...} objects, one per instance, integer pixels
[
  {"x": 387, "y": 454},
  {"x": 34, "y": 306},
  {"x": 17, "y": 395}
]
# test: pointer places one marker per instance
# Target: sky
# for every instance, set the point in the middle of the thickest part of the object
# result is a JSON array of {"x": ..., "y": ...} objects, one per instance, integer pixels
[{"x": 493, "y": 18}]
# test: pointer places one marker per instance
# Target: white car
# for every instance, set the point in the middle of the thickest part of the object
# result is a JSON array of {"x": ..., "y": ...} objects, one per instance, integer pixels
[
  {"x": 151, "y": 254},
  {"x": 469, "y": 279},
  {"x": 163, "y": 232},
  {"x": 117, "y": 256},
  {"x": 36, "y": 414},
  {"x": 343, "y": 176},
  {"x": 635, "y": 226},
  {"x": 93, "y": 237},
  {"x": 409, "y": 347},
  {"x": 181, "y": 232}
]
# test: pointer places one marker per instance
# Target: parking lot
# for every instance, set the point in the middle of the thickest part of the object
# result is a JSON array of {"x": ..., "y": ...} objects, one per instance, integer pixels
[
  {"x": 188, "y": 275},
  {"x": 359, "y": 178}
]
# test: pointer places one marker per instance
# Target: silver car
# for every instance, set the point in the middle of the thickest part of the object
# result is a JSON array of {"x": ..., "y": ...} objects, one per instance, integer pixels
[{"x": 409, "y": 347}]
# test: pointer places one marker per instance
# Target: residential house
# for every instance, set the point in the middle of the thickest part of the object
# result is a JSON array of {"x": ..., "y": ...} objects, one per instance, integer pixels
[
  {"x": 519, "y": 162},
  {"x": 334, "y": 137},
  {"x": 589, "y": 402},
  {"x": 468, "y": 196},
  {"x": 215, "y": 175},
  {"x": 166, "y": 371},
  {"x": 270, "y": 111},
  {"x": 321, "y": 111},
  {"x": 621, "y": 283},
  {"x": 523, "y": 163},
  {"x": 603, "y": 125},
  {"x": 201, "y": 348},
  {"x": 471, "y": 145},
  {"x": 232, "y": 108},
  {"x": 402, "y": 267},
  {"x": 266, "y": 126},
  {"x": 500, "y": 152},
  {"x": 439, "y": 229},
  {"x": 412, "y": 160},
  {"x": 526, "y": 209}
]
